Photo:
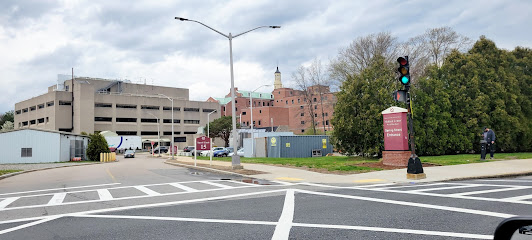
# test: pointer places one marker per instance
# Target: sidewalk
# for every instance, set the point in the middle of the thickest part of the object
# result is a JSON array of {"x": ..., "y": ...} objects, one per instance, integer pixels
[{"x": 440, "y": 173}]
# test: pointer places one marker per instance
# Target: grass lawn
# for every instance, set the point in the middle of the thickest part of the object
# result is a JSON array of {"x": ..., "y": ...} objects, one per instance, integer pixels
[
  {"x": 331, "y": 163},
  {"x": 470, "y": 158},
  {"x": 2, "y": 172}
]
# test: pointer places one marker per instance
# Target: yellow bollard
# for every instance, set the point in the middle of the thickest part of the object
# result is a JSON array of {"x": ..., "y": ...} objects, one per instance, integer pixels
[
  {"x": 101, "y": 157},
  {"x": 114, "y": 156}
]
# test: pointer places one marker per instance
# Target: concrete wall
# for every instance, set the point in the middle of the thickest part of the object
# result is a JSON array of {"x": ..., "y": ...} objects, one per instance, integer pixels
[{"x": 44, "y": 145}]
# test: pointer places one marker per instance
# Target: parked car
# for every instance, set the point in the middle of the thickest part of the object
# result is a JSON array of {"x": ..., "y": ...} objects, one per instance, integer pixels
[
  {"x": 162, "y": 149},
  {"x": 129, "y": 154},
  {"x": 207, "y": 152},
  {"x": 189, "y": 149},
  {"x": 220, "y": 153},
  {"x": 240, "y": 152}
]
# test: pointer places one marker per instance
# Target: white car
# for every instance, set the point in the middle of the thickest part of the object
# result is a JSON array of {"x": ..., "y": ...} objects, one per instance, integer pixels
[
  {"x": 240, "y": 152},
  {"x": 206, "y": 153}
]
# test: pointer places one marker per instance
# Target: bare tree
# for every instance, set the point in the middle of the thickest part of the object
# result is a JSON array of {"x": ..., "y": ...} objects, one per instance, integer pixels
[
  {"x": 441, "y": 41},
  {"x": 303, "y": 84},
  {"x": 321, "y": 84},
  {"x": 360, "y": 53},
  {"x": 418, "y": 56}
]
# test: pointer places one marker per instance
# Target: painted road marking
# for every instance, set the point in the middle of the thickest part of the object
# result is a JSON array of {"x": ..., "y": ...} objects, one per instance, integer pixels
[
  {"x": 446, "y": 188},
  {"x": 57, "y": 198},
  {"x": 369, "y": 180},
  {"x": 216, "y": 184},
  {"x": 416, "y": 185},
  {"x": 53, "y": 189},
  {"x": 489, "y": 191},
  {"x": 282, "y": 183},
  {"x": 502, "y": 180},
  {"x": 147, "y": 191},
  {"x": 183, "y": 187},
  {"x": 519, "y": 198},
  {"x": 282, "y": 229},
  {"x": 289, "y": 179},
  {"x": 104, "y": 194},
  {"x": 378, "y": 185},
  {"x": 46, "y": 219},
  {"x": 4, "y": 203}
]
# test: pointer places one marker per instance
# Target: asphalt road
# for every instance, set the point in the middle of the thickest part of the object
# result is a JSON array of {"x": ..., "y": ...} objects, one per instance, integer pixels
[{"x": 143, "y": 198}]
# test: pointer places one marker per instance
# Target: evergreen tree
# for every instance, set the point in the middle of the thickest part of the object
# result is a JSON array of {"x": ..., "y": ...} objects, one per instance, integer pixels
[{"x": 97, "y": 145}]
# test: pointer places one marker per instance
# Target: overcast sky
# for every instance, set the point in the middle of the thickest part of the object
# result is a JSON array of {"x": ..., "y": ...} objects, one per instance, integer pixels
[{"x": 141, "y": 41}]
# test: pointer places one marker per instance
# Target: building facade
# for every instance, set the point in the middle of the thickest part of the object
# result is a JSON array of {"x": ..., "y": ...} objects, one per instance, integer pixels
[
  {"x": 291, "y": 109},
  {"x": 94, "y": 105}
]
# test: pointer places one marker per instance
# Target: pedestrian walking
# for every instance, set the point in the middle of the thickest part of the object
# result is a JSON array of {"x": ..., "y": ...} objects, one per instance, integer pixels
[{"x": 489, "y": 137}]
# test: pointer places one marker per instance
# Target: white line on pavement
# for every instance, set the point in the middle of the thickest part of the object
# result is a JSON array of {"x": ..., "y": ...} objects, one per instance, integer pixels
[
  {"x": 445, "y": 188},
  {"x": 215, "y": 184},
  {"x": 412, "y": 204},
  {"x": 183, "y": 187},
  {"x": 519, "y": 198},
  {"x": 147, "y": 191},
  {"x": 58, "y": 198},
  {"x": 282, "y": 229},
  {"x": 502, "y": 180},
  {"x": 415, "y": 185},
  {"x": 489, "y": 191},
  {"x": 396, "y": 230},
  {"x": 52, "y": 189},
  {"x": 4, "y": 203},
  {"x": 377, "y": 185},
  {"x": 46, "y": 219},
  {"x": 104, "y": 194},
  {"x": 177, "y": 219},
  {"x": 281, "y": 182}
]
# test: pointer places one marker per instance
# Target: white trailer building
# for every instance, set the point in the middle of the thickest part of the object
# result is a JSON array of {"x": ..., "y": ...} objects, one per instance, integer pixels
[{"x": 41, "y": 146}]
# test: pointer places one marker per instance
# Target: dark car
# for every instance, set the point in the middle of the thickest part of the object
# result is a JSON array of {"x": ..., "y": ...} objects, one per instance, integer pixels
[
  {"x": 129, "y": 154},
  {"x": 162, "y": 149},
  {"x": 188, "y": 149},
  {"x": 220, "y": 153}
]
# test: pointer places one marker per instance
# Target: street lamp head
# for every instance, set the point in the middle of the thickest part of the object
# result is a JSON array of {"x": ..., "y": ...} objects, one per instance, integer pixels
[
  {"x": 181, "y": 19},
  {"x": 275, "y": 26}
]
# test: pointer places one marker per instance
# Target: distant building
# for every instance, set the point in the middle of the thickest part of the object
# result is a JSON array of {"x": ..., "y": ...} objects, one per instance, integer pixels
[
  {"x": 290, "y": 109},
  {"x": 93, "y": 105}
]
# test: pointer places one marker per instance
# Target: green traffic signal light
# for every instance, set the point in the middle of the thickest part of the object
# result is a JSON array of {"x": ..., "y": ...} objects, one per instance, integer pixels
[
  {"x": 404, "y": 70},
  {"x": 405, "y": 80}
]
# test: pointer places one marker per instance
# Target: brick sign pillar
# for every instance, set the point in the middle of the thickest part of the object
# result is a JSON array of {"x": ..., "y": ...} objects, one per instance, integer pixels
[{"x": 396, "y": 151}]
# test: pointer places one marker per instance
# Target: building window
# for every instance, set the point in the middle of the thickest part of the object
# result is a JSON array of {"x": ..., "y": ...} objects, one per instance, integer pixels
[
  {"x": 149, "y": 107},
  {"x": 170, "y": 108},
  {"x": 236, "y": 101},
  {"x": 315, "y": 106},
  {"x": 148, "y": 133},
  {"x": 126, "y": 120},
  {"x": 326, "y": 114},
  {"x": 302, "y": 122},
  {"x": 126, "y": 133},
  {"x": 208, "y": 110},
  {"x": 286, "y": 102},
  {"x": 103, "y": 105},
  {"x": 65, "y": 103},
  {"x": 302, "y": 114},
  {"x": 25, "y": 152},
  {"x": 40, "y": 106},
  {"x": 126, "y": 106},
  {"x": 302, "y": 130},
  {"x": 191, "y": 121},
  {"x": 301, "y": 107},
  {"x": 25, "y": 110},
  {"x": 49, "y": 104},
  {"x": 298, "y": 100},
  {"x": 191, "y": 109},
  {"x": 315, "y": 100},
  {"x": 243, "y": 113},
  {"x": 33, "y": 108},
  {"x": 103, "y": 119},
  {"x": 315, "y": 115},
  {"x": 47, "y": 119},
  {"x": 17, "y": 112},
  {"x": 180, "y": 139},
  {"x": 32, "y": 122},
  {"x": 148, "y": 120},
  {"x": 189, "y": 133},
  {"x": 271, "y": 96},
  {"x": 259, "y": 122},
  {"x": 260, "y": 111},
  {"x": 25, "y": 123},
  {"x": 170, "y": 120},
  {"x": 292, "y": 101},
  {"x": 66, "y": 88},
  {"x": 327, "y": 122},
  {"x": 170, "y": 133}
]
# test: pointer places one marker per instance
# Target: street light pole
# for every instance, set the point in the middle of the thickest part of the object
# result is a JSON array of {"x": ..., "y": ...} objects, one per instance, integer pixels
[
  {"x": 158, "y": 133},
  {"x": 208, "y": 122},
  {"x": 252, "y": 132},
  {"x": 235, "y": 159},
  {"x": 172, "y": 140}
]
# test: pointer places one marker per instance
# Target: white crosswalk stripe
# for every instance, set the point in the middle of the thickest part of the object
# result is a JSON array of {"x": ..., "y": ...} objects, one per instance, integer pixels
[
  {"x": 183, "y": 187},
  {"x": 58, "y": 198},
  {"x": 147, "y": 191}
]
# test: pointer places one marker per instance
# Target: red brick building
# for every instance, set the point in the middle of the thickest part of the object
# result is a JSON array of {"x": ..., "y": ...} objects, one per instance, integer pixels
[{"x": 283, "y": 107}]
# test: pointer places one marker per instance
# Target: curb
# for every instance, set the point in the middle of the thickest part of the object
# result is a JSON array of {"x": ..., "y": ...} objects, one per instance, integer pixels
[
  {"x": 40, "y": 169},
  {"x": 208, "y": 169}
]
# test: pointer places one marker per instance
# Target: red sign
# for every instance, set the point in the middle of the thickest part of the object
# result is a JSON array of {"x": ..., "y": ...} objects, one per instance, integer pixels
[
  {"x": 203, "y": 143},
  {"x": 395, "y": 130}
]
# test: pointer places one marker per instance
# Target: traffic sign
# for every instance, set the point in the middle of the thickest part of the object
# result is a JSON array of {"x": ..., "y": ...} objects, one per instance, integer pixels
[{"x": 203, "y": 143}]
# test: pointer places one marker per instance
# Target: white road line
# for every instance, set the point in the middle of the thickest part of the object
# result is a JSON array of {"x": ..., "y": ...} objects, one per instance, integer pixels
[
  {"x": 53, "y": 189},
  {"x": 46, "y": 219},
  {"x": 57, "y": 198},
  {"x": 519, "y": 198},
  {"x": 281, "y": 182},
  {"x": 104, "y": 194},
  {"x": 489, "y": 191},
  {"x": 445, "y": 188},
  {"x": 396, "y": 230},
  {"x": 416, "y": 185},
  {"x": 282, "y": 229},
  {"x": 377, "y": 185},
  {"x": 412, "y": 204},
  {"x": 4, "y": 203},
  {"x": 147, "y": 191},
  {"x": 177, "y": 219},
  {"x": 502, "y": 180},
  {"x": 148, "y": 206},
  {"x": 216, "y": 184},
  {"x": 183, "y": 187},
  {"x": 244, "y": 183}
]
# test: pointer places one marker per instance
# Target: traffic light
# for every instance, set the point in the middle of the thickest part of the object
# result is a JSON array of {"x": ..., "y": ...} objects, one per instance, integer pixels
[
  {"x": 400, "y": 96},
  {"x": 404, "y": 70}
]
